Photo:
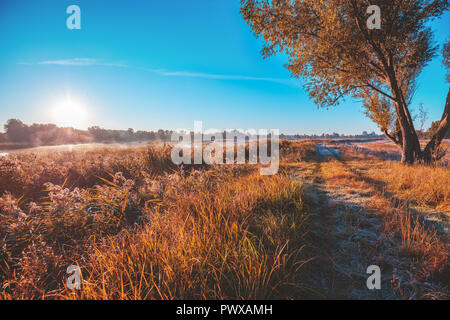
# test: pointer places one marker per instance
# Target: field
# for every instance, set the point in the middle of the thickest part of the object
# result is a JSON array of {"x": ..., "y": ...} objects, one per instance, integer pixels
[{"x": 140, "y": 227}]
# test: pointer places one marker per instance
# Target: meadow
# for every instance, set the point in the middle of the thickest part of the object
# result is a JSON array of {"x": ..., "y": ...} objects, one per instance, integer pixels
[{"x": 140, "y": 227}]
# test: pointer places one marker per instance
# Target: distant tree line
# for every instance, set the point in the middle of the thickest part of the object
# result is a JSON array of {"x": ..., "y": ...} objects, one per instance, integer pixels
[
  {"x": 333, "y": 135},
  {"x": 105, "y": 135},
  {"x": 364, "y": 135},
  {"x": 49, "y": 134}
]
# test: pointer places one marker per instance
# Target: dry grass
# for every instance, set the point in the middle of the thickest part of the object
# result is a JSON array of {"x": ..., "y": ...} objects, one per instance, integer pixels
[
  {"x": 242, "y": 243},
  {"x": 392, "y": 189},
  {"x": 387, "y": 150},
  {"x": 292, "y": 152},
  {"x": 425, "y": 186},
  {"x": 141, "y": 228}
]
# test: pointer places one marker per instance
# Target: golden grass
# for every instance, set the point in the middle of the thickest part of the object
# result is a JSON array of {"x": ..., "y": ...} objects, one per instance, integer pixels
[
  {"x": 391, "y": 189},
  {"x": 152, "y": 231},
  {"x": 242, "y": 243},
  {"x": 141, "y": 228},
  {"x": 425, "y": 186}
]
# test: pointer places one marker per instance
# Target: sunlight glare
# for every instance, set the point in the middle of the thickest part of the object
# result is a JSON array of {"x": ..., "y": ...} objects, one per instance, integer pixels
[{"x": 69, "y": 113}]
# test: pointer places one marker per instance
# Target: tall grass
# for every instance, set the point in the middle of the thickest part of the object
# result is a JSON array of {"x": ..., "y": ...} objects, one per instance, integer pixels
[
  {"x": 140, "y": 227},
  {"x": 241, "y": 241},
  {"x": 426, "y": 186},
  {"x": 150, "y": 231}
]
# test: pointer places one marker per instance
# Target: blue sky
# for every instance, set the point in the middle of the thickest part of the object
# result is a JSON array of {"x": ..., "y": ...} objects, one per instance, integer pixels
[{"x": 163, "y": 64}]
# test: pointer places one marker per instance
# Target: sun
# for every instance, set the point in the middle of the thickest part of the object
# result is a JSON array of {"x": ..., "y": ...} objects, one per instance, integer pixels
[{"x": 69, "y": 113}]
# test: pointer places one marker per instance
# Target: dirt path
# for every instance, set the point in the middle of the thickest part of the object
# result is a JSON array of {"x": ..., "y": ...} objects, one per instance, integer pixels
[{"x": 350, "y": 238}]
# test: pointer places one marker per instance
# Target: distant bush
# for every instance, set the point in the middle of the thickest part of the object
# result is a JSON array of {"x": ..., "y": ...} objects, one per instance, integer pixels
[{"x": 296, "y": 151}]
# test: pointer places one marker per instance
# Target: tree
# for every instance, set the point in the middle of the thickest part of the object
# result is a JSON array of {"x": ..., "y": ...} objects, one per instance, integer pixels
[
  {"x": 3, "y": 137},
  {"x": 330, "y": 46},
  {"x": 17, "y": 131}
]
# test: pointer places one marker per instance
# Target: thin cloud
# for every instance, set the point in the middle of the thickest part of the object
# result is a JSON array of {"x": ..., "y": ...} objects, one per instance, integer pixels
[
  {"x": 87, "y": 62},
  {"x": 77, "y": 62},
  {"x": 213, "y": 76}
]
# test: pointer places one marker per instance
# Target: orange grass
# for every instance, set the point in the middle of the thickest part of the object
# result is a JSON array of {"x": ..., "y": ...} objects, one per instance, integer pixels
[
  {"x": 390, "y": 188},
  {"x": 140, "y": 227},
  {"x": 151, "y": 231}
]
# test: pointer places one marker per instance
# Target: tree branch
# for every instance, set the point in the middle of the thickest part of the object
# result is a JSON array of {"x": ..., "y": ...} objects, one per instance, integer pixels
[
  {"x": 379, "y": 91},
  {"x": 392, "y": 138}
]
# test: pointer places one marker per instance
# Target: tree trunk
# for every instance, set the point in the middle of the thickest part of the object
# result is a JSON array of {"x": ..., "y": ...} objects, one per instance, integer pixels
[
  {"x": 410, "y": 148},
  {"x": 440, "y": 133},
  {"x": 410, "y": 145},
  {"x": 408, "y": 141}
]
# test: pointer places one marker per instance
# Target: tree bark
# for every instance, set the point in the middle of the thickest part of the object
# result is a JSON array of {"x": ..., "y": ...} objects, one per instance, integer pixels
[{"x": 411, "y": 148}]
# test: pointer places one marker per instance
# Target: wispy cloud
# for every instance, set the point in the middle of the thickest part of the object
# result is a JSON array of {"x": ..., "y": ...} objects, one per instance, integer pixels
[
  {"x": 87, "y": 62},
  {"x": 77, "y": 62},
  {"x": 213, "y": 76}
]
